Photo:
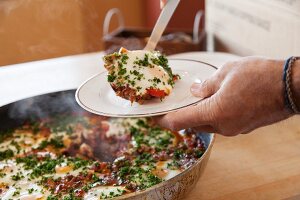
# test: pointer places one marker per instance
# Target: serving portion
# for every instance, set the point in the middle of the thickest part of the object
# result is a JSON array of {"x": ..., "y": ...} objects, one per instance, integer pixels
[
  {"x": 90, "y": 157},
  {"x": 139, "y": 75},
  {"x": 97, "y": 96}
]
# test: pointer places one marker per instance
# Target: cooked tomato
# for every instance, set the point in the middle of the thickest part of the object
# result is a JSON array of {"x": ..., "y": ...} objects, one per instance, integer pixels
[
  {"x": 175, "y": 77},
  {"x": 156, "y": 93}
]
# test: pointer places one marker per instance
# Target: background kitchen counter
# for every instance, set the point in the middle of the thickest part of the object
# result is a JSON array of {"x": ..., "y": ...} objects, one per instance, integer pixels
[{"x": 261, "y": 165}]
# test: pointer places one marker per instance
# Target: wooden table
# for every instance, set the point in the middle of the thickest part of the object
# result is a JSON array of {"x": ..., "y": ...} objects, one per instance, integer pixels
[{"x": 262, "y": 165}]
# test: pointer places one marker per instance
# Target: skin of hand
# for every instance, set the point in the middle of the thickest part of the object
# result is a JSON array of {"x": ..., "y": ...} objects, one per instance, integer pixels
[{"x": 240, "y": 97}]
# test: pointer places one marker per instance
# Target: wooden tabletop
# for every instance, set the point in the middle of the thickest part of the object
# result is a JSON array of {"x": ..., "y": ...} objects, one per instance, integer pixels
[{"x": 264, "y": 164}]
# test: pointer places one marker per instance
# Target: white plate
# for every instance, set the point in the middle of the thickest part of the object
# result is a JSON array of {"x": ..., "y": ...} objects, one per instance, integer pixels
[{"x": 96, "y": 95}]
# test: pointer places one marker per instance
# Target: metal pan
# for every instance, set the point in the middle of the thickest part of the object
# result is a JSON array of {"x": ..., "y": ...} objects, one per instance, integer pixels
[{"x": 39, "y": 107}]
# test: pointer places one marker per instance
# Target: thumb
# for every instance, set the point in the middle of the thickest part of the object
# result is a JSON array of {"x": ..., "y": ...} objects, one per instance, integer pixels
[{"x": 204, "y": 89}]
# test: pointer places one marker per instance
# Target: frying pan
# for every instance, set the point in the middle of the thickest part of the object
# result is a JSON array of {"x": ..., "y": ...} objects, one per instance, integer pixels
[{"x": 63, "y": 102}]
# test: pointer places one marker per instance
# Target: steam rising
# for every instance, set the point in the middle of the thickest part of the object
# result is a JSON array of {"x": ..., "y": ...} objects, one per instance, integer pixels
[
  {"x": 44, "y": 106},
  {"x": 59, "y": 103}
]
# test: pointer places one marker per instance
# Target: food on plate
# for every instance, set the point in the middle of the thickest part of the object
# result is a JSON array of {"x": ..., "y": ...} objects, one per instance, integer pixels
[
  {"x": 90, "y": 157},
  {"x": 139, "y": 75}
]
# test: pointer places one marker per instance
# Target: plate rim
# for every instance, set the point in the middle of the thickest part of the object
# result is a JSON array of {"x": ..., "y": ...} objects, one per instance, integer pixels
[{"x": 135, "y": 115}]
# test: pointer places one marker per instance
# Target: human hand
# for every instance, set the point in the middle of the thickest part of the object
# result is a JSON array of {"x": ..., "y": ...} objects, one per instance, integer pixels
[{"x": 239, "y": 97}]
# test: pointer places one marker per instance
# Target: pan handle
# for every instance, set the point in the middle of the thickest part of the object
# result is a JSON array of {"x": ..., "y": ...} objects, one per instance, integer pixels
[
  {"x": 198, "y": 17},
  {"x": 107, "y": 20}
]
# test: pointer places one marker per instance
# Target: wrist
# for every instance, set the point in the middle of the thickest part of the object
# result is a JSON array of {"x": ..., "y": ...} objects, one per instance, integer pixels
[{"x": 295, "y": 86}]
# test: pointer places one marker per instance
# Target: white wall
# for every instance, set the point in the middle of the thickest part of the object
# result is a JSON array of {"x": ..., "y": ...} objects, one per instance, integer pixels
[{"x": 255, "y": 27}]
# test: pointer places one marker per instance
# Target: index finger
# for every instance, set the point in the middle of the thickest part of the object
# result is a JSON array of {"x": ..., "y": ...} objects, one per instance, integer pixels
[{"x": 189, "y": 117}]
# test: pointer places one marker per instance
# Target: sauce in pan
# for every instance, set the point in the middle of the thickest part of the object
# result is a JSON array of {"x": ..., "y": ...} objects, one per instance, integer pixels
[{"x": 90, "y": 157}]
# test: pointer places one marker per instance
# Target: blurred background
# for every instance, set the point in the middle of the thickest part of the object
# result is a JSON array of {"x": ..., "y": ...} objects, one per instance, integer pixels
[{"x": 40, "y": 29}]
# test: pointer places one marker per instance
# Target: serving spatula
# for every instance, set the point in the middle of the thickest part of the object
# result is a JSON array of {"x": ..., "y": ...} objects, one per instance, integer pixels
[{"x": 161, "y": 24}]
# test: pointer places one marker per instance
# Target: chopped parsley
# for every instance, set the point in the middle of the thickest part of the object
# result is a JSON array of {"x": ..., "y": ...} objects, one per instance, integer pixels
[
  {"x": 124, "y": 58},
  {"x": 47, "y": 166},
  {"x": 2, "y": 175},
  {"x": 142, "y": 62},
  {"x": 173, "y": 165},
  {"x": 17, "y": 146},
  {"x": 144, "y": 159},
  {"x": 122, "y": 71},
  {"x": 134, "y": 169},
  {"x": 71, "y": 197},
  {"x": 143, "y": 178},
  {"x": 111, "y": 78},
  {"x": 78, "y": 162},
  {"x": 178, "y": 153},
  {"x": 6, "y": 134},
  {"x": 17, "y": 176},
  {"x": 156, "y": 80},
  {"x": 51, "y": 197},
  {"x": 127, "y": 81},
  {"x": 55, "y": 142},
  {"x": 198, "y": 153},
  {"x": 29, "y": 162},
  {"x": 17, "y": 192},
  {"x": 6, "y": 154},
  {"x": 161, "y": 60},
  {"x": 142, "y": 123},
  {"x": 30, "y": 191},
  {"x": 35, "y": 127}
]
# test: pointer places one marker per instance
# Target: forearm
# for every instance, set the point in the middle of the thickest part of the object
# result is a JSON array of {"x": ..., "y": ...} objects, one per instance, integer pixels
[{"x": 296, "y": 83}]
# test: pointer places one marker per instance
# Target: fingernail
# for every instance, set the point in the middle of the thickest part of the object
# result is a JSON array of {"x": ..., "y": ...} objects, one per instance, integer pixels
[{"x": 195, "y": 88}]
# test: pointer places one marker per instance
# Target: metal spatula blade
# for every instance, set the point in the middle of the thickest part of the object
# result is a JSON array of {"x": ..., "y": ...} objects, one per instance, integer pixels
[{"x": 161, "y": 24}]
